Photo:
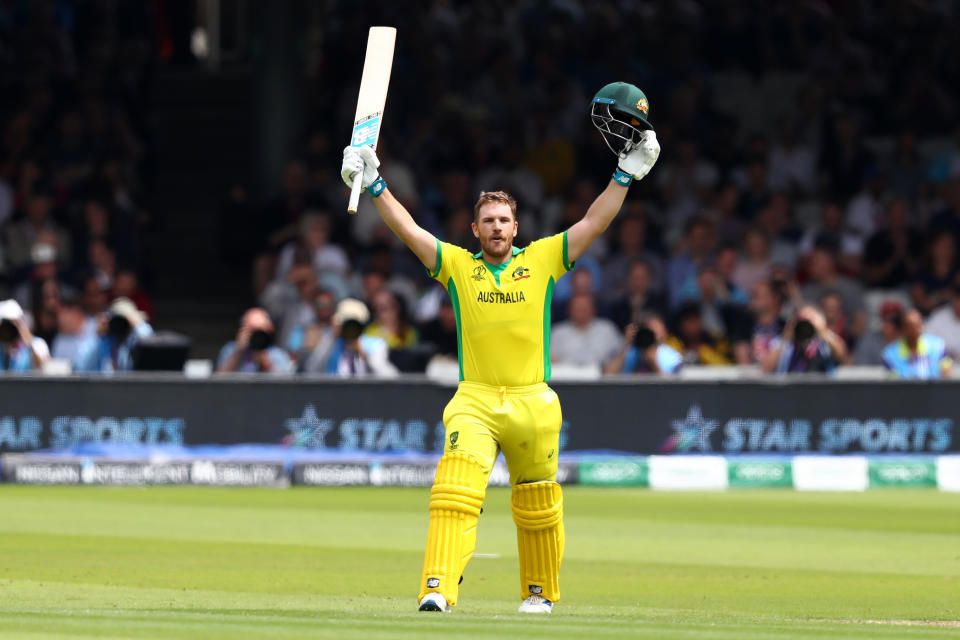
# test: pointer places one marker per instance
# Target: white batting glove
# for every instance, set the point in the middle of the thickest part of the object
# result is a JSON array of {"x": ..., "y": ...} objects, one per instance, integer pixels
[
  {"x": 639, "y": 160},
  {"x": 360, "y": 159}
]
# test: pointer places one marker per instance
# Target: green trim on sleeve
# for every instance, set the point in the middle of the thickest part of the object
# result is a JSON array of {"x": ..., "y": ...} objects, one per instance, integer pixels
[
  {"x": 439, "y": 253},
  {"x": 455, "y": 300},
  {"x": 547, "y": 301},
  {"x": 566, "y": 264}
]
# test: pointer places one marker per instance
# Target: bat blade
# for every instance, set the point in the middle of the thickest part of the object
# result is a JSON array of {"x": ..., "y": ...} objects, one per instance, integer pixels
[{"x": 377, "y": 65}]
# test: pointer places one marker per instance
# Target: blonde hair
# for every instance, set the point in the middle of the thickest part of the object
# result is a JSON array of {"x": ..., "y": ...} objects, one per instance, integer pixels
[{"x": 498, "y": 197}]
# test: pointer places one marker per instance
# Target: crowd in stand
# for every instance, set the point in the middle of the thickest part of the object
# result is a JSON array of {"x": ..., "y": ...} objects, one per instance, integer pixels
[
  {"x": 818, "y": 231},
  {"x": 824, "y": 236},
  {"x": 73, "y": 154}
]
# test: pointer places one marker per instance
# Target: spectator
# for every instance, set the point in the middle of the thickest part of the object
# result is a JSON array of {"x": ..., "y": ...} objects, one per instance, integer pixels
[
  {"x": 832, "y": 306},
  {"x": 824, "y": 279},
  {"x": 300, "y": 312},
  {"x": 806, "y": 345},
  {"x": 127, "y": 285},
  {"x": 94, "y": 301},
  {"x": 631, "y": 246},
  {"x": 639, "y": 297},
  {"x": 945, "y": 322},
  {"x": 755, "y": 266},
  {"x": 693, "y": 343},
  {"x": 20, "y": 350},
  {"x": 832, "y": 232},
  {"x": 870, "y": 346},
  {"x": 916, "y": 355},
  {"x": 253, "y": 351},
  {"x": 643, "y": 349},
  {"x": 37, "y": 228},
  {"x": 441, "y": 332},
  {"x": 792, "y": 167},
  {"x": 719, "y": 299},
  {"x": 75, "y": 341},
  {"x": 314, "y": 238},
  {"x": 934, "y": 279},
  {"x": 391, "y": 321},
  {"x": 120, "y": 330},
  {"x": 765, "y": 303},
  {"x": 891, "y": 258},
  {"x": 44, "y": 259},
  {"x": 350, "y": 353},
  {"x": 307, "y": 339},
  {"x": 42, "y": 319},
  {"x": 584, "y": 340},
  {"x": 697, "y": 249}
]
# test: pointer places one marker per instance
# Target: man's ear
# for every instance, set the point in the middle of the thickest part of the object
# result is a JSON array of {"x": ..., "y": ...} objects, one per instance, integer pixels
[{"x": 476, "y": 231}]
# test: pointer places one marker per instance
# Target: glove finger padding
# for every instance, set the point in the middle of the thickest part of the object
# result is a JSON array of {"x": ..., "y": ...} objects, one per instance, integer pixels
[
  {"x": 352, "y": 163},
  {"x": 359, "y": 159},
  {"x": 638, "y": 160}
]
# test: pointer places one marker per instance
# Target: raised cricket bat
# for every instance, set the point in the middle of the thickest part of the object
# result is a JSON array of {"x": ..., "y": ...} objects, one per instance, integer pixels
[{"x": 373, "y": 96}]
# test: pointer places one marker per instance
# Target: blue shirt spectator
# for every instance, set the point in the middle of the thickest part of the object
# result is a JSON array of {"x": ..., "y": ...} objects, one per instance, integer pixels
[
  {"x": 916, "y": 355},
  {"x": 20, "y": 350},
  {"x": 125, "y": 327},
  {"x": 253, "y": 351},
  {"x": 76, "y": 339}
]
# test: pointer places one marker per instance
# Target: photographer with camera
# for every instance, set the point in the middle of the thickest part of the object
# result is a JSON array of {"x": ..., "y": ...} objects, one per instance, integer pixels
[
  {"x": 350, "y": 353},
  {"x": 806, "y": 345},
  {"x": 253, "y": 350},
  {"x": 20, "y": 350},
  {"x": 643, "y": 349},
  {"x": 120, "y": 329}
]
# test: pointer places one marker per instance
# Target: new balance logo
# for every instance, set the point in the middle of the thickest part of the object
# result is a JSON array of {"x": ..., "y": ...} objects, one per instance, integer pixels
[{"x": 433, "y": 583}]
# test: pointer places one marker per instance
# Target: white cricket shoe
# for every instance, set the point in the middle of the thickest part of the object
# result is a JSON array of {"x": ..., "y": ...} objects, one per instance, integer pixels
[
  {"x": 536, "y": 604},
  {"x": 434, "y": 602}
]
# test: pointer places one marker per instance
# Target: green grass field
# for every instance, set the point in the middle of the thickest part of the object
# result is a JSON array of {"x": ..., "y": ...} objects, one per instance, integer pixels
[{"x": 345, "y": 563}]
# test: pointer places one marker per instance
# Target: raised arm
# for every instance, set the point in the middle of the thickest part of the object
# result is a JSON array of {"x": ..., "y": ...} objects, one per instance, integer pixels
[
  {"x": 633, "y": 165},
  {"x": 395, "y": 215}
]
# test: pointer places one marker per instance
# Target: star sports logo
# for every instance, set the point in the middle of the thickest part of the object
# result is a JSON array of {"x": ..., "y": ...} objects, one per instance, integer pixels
[{"x": 690, "y": 434}]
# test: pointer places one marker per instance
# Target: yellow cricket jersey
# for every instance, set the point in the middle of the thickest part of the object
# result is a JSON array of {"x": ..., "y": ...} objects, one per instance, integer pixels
[{"x": 503, "y": 310}]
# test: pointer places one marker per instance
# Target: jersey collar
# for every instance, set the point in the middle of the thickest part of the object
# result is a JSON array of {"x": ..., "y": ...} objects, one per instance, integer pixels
[{"x": 479, "y": 254}]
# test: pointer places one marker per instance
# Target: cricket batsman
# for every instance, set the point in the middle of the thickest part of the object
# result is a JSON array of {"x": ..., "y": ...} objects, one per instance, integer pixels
[{"x": 501, "y": 296}]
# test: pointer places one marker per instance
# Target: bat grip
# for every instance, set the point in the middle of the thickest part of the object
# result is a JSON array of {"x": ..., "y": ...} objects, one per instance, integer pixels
[{"x": 355, "y": 192}]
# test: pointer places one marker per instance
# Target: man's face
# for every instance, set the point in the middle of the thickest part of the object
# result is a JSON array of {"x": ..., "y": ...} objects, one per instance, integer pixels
[
  {"x": 912, "y": 326},
  {"x": 762, "y": 299},
  {"x": 638, "y": 279},
  {"x": 581, "y": 310},
  {"x": 496, "y": 228}
]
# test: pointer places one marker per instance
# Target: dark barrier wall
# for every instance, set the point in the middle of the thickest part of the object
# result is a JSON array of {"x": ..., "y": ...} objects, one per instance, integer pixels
[{"x": 637, "y": 416}]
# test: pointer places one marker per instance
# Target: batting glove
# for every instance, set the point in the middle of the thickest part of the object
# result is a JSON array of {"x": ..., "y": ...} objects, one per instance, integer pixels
[
  {"x": 638, "y": 161},
  {"x": 360, "y": 159}
]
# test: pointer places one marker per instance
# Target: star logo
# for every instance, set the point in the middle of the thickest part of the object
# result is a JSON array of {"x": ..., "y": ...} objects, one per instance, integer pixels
[
  {"x": 692, "y": 433},
  {"x": 643, "y": 106},
  {"x": 308, "y": 431}
]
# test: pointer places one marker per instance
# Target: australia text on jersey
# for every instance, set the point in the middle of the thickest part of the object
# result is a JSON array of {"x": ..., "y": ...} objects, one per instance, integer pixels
[{"x": 501, "y": 297}]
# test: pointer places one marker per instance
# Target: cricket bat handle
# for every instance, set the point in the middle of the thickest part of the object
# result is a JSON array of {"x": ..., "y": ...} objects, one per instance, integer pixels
[{"x": 355, "y": 193}]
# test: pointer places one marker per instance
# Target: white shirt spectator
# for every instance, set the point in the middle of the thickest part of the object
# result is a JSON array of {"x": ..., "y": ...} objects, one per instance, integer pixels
[{"x": 584, "y": 340}]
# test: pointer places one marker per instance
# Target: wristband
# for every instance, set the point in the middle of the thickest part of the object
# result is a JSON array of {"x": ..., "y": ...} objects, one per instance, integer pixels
[
  {"x": 377, "y": 187},
  {"x": 622, "y": 178}
]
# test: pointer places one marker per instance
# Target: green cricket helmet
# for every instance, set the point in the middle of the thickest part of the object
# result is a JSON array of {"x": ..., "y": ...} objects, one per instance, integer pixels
[{"x": 620, "y": 111}]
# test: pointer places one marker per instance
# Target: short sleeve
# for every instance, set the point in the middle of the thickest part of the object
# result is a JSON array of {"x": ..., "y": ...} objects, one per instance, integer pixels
[
  {"x": 447, "y": 257},
  {"x": 553, "y": 253}
]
